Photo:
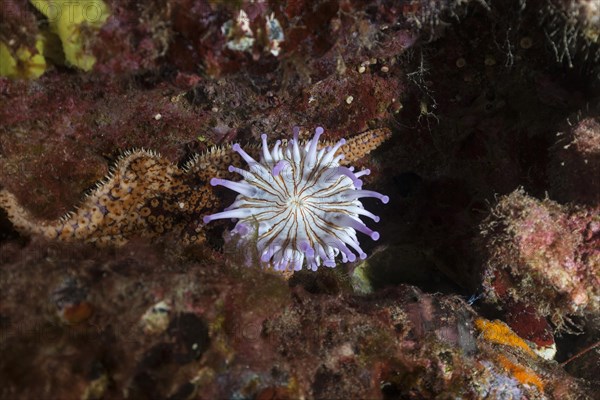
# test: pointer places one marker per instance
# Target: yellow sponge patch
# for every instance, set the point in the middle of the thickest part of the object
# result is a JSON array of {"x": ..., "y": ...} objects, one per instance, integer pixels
[
  {"x": 73, "y": 21},
  {"x": 23, "y": 63}
]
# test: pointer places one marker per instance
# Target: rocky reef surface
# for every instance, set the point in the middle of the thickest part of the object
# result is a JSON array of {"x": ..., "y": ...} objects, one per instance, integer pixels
[{"x": 485, "y": 282}]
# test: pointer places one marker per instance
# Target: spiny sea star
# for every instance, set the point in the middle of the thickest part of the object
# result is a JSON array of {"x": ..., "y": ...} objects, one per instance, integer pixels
[{"x": 147, "y": 195}]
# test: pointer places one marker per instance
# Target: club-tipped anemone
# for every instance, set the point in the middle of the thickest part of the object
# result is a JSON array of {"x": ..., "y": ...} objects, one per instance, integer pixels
[{"x": 298, "y": 205}]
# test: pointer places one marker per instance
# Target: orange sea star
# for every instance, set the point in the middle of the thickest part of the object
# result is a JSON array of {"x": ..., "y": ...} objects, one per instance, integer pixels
[{"x": 147, "y": 195}]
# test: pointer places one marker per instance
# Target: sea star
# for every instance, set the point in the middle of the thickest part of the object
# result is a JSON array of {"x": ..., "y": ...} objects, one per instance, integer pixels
[{"x": 147, "y": 195}]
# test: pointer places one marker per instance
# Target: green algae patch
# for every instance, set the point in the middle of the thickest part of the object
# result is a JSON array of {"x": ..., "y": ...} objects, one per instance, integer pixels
[
  {"x": 75, "y": 23},
  {"x": 23, "y": 63}
]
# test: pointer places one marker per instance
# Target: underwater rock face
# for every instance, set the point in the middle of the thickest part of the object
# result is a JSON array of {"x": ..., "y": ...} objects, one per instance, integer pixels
[
  {"x": 235, "y": 331},
  {"x": 473, "y": 285}
]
